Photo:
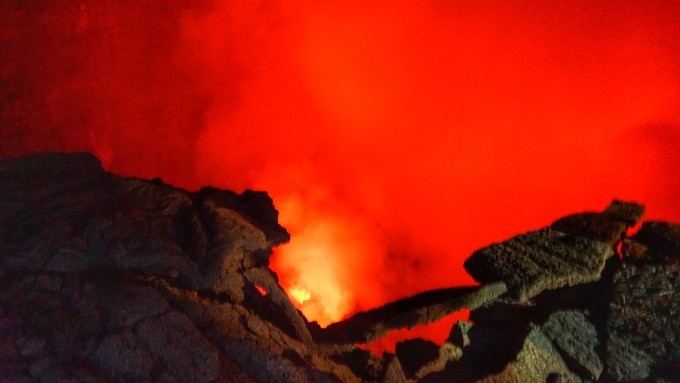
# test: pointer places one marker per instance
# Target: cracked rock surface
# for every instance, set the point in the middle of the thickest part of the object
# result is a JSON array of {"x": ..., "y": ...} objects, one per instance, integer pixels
[
  {"x": 106, "y": 278},
  {"x": 643, "y": 326},
  {"x": 539, "y": 260},
  {"x": 420, "y": 309}
]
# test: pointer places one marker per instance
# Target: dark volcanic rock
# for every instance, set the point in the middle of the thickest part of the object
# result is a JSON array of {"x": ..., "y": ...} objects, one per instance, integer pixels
[
  {"x": 661, "y": 238},
  {"x": 633, "y": 251},
  {"x": 421, "y": 358},
  {"x": 125, "y": 331},
  {"x": 609, "y": 226},
  {"x": 370, "y": 368},
  {"x": 536, "y": 361},
  {"x": 490, "y": 348},
  {"x": 264, "y": 366},
  {"x": 459, "y": 334},
  {"x": 394, "y": 372},
  {"x": 416, "y": 353},
  {"x": 643, "y": 328},
  {"x": 363, "y": 363},
  {"x": 107, "y": 278},
  {"x": 63, "y": 213},
  {"x": 539, "y": 260},
  {"x": 592, "y": 225},
  {"x": 576, "y": 339},
  {"x": 628, "y": 212},
  {"x": 121, "y": 355},
  {"x": 525, "y": 355},
  {"x": 254, "y": 206},
  {"x": 417, "y": 310},
  {"x": 656, "y": 242},
  {"x": 506, "y": 315}
]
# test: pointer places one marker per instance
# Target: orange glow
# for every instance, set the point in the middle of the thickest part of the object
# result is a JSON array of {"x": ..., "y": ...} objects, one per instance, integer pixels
[
  {"x": 395, "y": 137},
  {"x": 436, "y": 332},
  {"x": 340, "y": 249},
  {"x": 619, "y": 249},
  {"x": 261, "y": 290},
  {"x": 300, "y": 295}
]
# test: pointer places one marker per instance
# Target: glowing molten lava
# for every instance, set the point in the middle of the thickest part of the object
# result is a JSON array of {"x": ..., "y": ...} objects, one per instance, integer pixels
[
  {"x": 261, "y": 290},
  {"x": 395, "y": 137},
  {"x": 300, "y": 294},
  {"x": 332, "y": 244}
]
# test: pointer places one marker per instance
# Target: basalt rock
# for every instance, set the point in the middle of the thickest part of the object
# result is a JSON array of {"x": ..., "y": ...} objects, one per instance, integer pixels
[
  {"x": 420, "y": 309},
  {"x": 540, "y": 260},
  {"x": 608, "y": 226},
  {"x": 107, "y": 278},
  {"x": 394, "y": 373},
  {"x": 537, "y": 360},
  {"x": 575, "y": 337},
  {"x": 458, "y": 337},
  {"x": 662, "y": 239},
  {"x": 415, "y": 354},
  {"x": 642, "y": 328},
  {"x": 363, "y": 363},
  {"x": 523, "y": 355}
]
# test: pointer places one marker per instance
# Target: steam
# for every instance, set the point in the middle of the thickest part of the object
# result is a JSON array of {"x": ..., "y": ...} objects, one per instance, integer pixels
[{"x": 394, "y": 138}]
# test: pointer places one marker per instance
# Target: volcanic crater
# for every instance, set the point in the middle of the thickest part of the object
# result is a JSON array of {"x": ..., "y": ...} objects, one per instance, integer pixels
[{"x": 105, "y": 278}]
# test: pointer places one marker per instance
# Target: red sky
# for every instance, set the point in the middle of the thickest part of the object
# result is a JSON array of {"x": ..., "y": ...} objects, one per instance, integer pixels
[{"x": 395, "y": 137}]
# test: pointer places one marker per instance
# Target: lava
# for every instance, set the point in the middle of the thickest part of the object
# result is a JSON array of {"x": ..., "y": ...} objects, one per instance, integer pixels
[
  {"x": 340, "y": 249},
  {"x": 300, "y": 295},
  {"x": 261, "y": 290},
  {"x": 395, "y": 138}
]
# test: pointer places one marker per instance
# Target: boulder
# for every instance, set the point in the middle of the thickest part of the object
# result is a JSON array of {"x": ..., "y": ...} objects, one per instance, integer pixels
[
  {"x": 661, "y": 238},
  {"x": 536, "y": 361},
  {"x": 540, "y": 260},
  {"x": 642, "y": 329},
  {"x": 576, "y": 339},
  {"x": 419, "y": 309},
  {"x": 608, "y": 226},
  {"x": 414, "y": 354},
  {"x": 110, "y": 278}
]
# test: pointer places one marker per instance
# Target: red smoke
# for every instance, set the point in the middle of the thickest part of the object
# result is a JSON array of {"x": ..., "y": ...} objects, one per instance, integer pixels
[{"x": 395, "y": 138}]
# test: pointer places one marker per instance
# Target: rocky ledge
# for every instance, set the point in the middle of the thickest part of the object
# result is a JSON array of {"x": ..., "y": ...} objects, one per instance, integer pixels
[{"x": 107, "y": 278}]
